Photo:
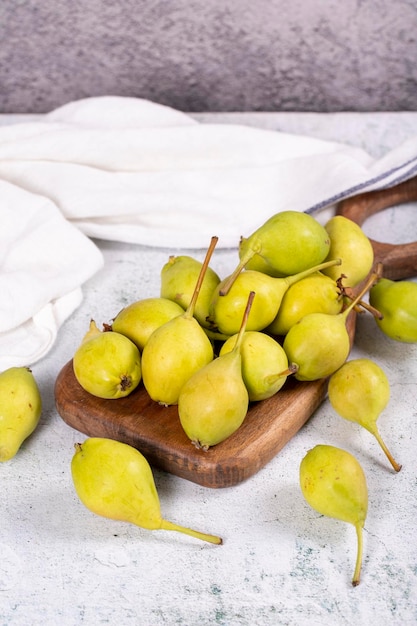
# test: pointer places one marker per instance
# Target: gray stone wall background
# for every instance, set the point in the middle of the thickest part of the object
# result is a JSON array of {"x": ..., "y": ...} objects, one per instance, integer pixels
[{"x": 212, "y": 55}]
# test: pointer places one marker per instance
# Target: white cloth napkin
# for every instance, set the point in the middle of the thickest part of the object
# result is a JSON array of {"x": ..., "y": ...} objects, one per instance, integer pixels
[{"x": 131, "y": 170}]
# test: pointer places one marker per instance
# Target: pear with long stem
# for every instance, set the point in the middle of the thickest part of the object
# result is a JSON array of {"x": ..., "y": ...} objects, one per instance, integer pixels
[
  {"x": 359, "y": 391},
  {"x": 334, "y": 484},
  {"x": 114, "y": 480},
  {"x": 177, "y": 349}
]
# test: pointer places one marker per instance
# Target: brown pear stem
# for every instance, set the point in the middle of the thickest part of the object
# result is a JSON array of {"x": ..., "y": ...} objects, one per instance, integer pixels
[
  {"x": 397, "y": 467},
  {"x": 311, "y": 270},
  {"x": 244, "y": 322},
  {"x": 357, "y": 573},
  {"x": 291, "y": 369},
  {"x": 190, "y": 309},
  {"x": 372, "y": 279}
]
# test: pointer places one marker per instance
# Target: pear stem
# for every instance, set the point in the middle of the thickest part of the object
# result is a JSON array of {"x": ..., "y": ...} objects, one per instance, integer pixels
[
  {"x": 372, "y": 279},
  {"x": 245, "y": 317},
  {"x": 388, "y": 454},
  {"x": 291, "y": 369},
  {"x": 166, "y": 525},
  {"x": 241, "y": 266},
  {"x": 357, "y": 573},
  {"x": 190, "y": 309},
  {"x": 311, "y": 270}
]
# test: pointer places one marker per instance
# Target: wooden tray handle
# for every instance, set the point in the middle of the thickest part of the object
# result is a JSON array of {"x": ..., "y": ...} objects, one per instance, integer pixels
[{"x": 399, "y": 261}]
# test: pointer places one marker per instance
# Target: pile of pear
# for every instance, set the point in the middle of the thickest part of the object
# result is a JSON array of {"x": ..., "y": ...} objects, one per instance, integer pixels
[{"x": 212, "y": 345}]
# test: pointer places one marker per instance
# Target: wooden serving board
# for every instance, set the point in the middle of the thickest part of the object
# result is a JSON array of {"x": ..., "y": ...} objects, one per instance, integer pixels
[{"x": 156, "y": 430}]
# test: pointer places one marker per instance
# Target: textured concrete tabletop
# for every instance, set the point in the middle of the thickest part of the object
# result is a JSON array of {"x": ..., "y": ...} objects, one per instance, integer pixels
[{"x": 281, "y": 563}]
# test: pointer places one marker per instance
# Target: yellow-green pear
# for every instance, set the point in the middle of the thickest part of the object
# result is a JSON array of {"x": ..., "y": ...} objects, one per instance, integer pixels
[
  {"x": 349, "y": 243},
  {"x": 334, "y": 484},
  {"x": 20, "y": 409},
  {"x": 107, "y": 364},
  {"x": 114, "y": 480},
  {"x": 138, "y": 320},
  {"x": 264, "y": 363}
]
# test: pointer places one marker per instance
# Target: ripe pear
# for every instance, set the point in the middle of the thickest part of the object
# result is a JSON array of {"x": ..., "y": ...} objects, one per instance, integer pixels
[
  {"x": 334, "y": 484},
  {"x": 177, "y": 349},
  {"x": 138, "y": 320},
  {"x": 289, "y": 242},
  {"x": 214, "y": 402},
  {"x": 264, "y": 363},
  {"x": 114, "y": 480},
  {"x": 226, "y": 310},
  {"x": 178, "y": 279},
  {"x": 318, "y": 344},
  {"x": 397, "y": 302},
  {"x": 317, "y": 293},
  {"x": 349, "y": 243},
  {"x": 107, "y": 364},
  {"x": 20, "y": 409},
  {"x": 359, "y": 391}
]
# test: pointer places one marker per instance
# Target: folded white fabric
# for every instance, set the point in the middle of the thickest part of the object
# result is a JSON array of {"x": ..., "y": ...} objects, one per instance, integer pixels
[{"x": 131, "y": 170}]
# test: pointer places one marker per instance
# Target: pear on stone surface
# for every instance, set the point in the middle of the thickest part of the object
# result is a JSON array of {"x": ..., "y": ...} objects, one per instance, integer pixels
[
  {"x": 319, "y": 343},
  {"x": 264, "y": 364},
  {"x": 20, "y": 409},
  {"x": 114, "y": 480},
  {"x": 333, "y": 483},
  {"x": 226, "y": 310},
  {"x": 177, "y": 349},
  {"x": 289, "y": 242},
  {"x": 214, "y": 402},
  {"x": 317, "y": 293},
  {"x": 359, "y": 391},
  {"x": 178, "y": 278},
  {"x": 349, "y": 243},
  {"x": 397, "y": 302},
  {"x": 107, "y": 364},
  {"x": 138, "y": 320}
]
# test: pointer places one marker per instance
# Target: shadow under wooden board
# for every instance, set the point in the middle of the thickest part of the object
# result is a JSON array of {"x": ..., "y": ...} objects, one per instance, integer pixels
[{"x": 156, "y": 430}]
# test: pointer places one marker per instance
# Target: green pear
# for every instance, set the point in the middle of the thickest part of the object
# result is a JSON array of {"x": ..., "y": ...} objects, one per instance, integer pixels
[
  {"x": 214, "y": 402},
  {"x": 359, "y": 391},
  {"x": 264, "y": 363},
  {"x": 114, "y": 480},
  {"x": 177, "y": 349},
  {"x": 333, "y": 483},
  {"x": 397, "y": 302},
  {"x": 107, "y": 364},
  {"x": 289, "y": 242},
  {"x": 138, "y": 320},
  {"x": 178, "y": 279},
  {"x": 317, "y": 293},
  {"x": 349, "y": 243},
  {"x": 20, "y": 409}
]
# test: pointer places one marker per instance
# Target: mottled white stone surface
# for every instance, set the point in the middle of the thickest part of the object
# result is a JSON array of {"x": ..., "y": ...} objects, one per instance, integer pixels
[{"x": 281, "y": 563}]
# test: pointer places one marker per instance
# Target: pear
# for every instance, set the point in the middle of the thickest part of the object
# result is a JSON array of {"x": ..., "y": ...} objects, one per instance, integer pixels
[
  {"x": 138, "y": 320},
  {"x": 264, "y": 364},
  {"x": 333, "y": 483},
  {"x": 349, "y": 243},
  {"x": 359, "y": 391},
  {"x": 214, "y": 402},
  {"x": 107, "y": 364},
  {"x": 20, "y": 409},
  {"x": 318, "y": 344},
  {"x": 177, "y": 349},
  {"x": 226, "y": 310},
  {"x": 397, "y": 303},
  {"x": 114, "y": 480},
  {"x": 178, "y": 279},
  {"x": 289, "y": 242},
  {"x": 317, "y": 293}
]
